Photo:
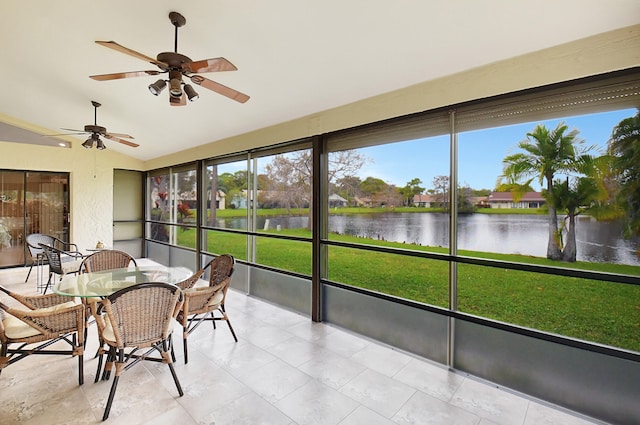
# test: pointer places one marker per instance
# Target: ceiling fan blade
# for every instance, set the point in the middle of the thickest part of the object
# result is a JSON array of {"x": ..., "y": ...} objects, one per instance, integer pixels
[
  {"x": 65, "y": 134},
  {"x": 178, "y": 101},
  {"x": 74, "y": 130},
  {"x": 119, "y": 140},
  {"x": 119, "y": 75},
  {"x": 219, "y": 88},
  {"x": 119, "y": 48},
  {"x": 119, "y": 135},
  {"x": 209, "y": 65}
]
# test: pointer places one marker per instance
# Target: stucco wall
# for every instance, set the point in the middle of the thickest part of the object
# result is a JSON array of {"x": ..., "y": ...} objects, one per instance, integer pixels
[{"x": 91, "y": 182}]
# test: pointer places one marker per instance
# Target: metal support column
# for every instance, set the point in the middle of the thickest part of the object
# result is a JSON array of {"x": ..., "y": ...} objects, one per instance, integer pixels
[
  {"x": 453, "y": 238},
  {"x": 319, "y": 225}
]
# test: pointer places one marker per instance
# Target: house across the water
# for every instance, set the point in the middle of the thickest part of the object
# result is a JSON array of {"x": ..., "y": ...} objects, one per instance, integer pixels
[{"x": 508, "y": 200}]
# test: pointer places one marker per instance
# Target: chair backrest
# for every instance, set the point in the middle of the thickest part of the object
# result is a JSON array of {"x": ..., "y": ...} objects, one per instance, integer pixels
[
  {"x": 106, "y": 260},
  {"x": 36, "y": 301},
  {"x": 141, "y": 315},
  {"x": 53, "y": 258},
  {"x": 35, "y": 239},
  {"x": 221, "y": 268}
]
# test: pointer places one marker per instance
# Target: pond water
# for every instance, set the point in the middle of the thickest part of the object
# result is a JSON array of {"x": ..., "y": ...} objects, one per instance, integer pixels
[{"x": 501, "y": 233}]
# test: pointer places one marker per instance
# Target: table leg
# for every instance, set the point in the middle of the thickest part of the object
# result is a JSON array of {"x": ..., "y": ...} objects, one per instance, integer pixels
[{"x": 41, "y": 284}]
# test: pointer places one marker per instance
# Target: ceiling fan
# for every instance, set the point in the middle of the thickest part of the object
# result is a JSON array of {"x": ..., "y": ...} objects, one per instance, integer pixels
[
  {"x": 95, "y": 131},
  {"x": 177, "y": 66}
]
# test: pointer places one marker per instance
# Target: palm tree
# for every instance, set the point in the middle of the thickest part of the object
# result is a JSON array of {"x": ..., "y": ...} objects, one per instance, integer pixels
[
  {"x": 546, "y": 154},
  {"x": 574, "y": 197}
]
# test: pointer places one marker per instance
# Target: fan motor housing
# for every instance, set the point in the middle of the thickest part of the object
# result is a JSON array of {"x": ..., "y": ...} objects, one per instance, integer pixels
[
  {"x": 174, "y": 60},
  {"x": 95, "y": 129}
]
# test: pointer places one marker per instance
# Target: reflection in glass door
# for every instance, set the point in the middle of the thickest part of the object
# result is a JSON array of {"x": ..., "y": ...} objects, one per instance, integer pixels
[
  {"x": 31, "y": 202},
  {"x": 11, "y": 217}
]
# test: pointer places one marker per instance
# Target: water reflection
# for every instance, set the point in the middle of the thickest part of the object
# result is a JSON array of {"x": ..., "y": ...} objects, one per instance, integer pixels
[{"x": 507, "y": 234}]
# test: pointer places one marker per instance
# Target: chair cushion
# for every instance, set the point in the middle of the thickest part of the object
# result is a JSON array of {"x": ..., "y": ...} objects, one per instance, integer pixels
[
  {"x": 201, "y": 283},
  {"x": 215, "y": 300},
  {"x": 15, "y": 328},
  {"x": 107, "y": 333},
  {"x": 71, "y": 266}
]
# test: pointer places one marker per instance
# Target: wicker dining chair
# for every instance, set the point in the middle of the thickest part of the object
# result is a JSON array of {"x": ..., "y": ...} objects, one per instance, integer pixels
[
  {"x": 107, "y": 259},
  {"x": 41, "y": 319},
  {"x": 188, "y": 283},
  {"x": 202, "y": 303},
  {"x": 61, "y": 262},
  {"x": 36, "y": 252},
  {"x": 133, "y": 319}
]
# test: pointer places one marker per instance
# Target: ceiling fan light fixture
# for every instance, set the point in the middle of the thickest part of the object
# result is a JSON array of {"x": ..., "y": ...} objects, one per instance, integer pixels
[
  {"x": 100, "y": 145},
  {"x": 157, "y": 87},
  {"x": 88, "y": 144},
  {"x": 174, "y": 87},
  {"x": 177, "y": 66},
  {"x": 191, "y": 93}
]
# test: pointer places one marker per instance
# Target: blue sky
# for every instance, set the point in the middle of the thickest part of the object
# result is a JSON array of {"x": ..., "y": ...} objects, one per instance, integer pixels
[{"x": 480, "y": 152}]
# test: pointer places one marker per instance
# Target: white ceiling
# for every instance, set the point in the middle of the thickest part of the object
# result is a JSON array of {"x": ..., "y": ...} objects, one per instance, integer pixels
[{"x": 294, "y": 57}]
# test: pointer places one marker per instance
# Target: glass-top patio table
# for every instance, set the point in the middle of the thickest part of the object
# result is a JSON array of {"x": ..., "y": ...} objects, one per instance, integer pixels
[{"x": 104, "y": 283}]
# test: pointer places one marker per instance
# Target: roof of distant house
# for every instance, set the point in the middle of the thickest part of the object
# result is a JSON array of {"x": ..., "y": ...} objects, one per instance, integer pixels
[
  {"x": 336, "y": 197},
  {"x": 508, "y": 196},
  {"x": 422, "y": 198}
]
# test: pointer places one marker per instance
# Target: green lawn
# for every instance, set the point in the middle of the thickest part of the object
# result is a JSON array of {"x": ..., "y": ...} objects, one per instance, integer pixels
[{"x": 603, "y": 312}]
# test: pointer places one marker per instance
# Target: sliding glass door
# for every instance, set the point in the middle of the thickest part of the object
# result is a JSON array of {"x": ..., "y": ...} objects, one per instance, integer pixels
[
  {"x": 31, "y": 202},
  {"x": 11, "y": 217}
]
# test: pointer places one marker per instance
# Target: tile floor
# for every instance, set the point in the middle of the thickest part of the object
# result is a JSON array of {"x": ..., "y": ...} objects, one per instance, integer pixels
[{"x": 285, "y": 370}]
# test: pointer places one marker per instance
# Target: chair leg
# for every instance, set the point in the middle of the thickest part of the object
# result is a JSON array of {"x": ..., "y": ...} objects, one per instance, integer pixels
[
  {"x": 48, "y": 284},
  {"x": 173, "y": 354},
  {"x": 231, "y": 329},
  {"x": 29, "y": 274},
  {"x": 80, "y": 359},
  {"x": 111, "y": 358},
  {"x": 4, "y": 359},
  {"x": 81, "y": 369},
  {"x": 225, "y": 317},
  {"x": 171, "y": 368},
  {"x": 112, "y": 393},
  {"x": 184, "y": 345},
  {"x": 99, "y": 355},
  {"x": 114, "y": 385}
]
